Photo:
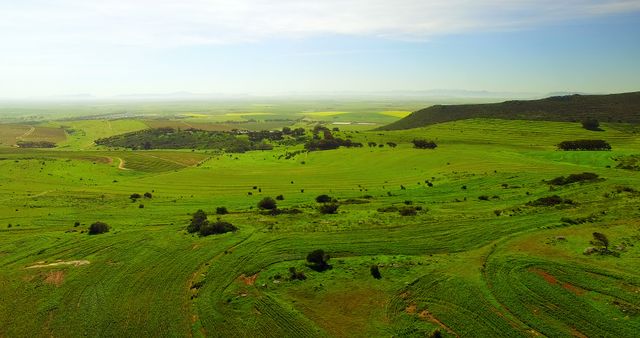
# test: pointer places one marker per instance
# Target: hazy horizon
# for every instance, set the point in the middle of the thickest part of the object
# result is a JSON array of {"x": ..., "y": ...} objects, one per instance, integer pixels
[{"x": 252, "y": 47}]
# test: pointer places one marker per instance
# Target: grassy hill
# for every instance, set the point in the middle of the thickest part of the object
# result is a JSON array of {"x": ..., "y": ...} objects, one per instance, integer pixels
[{"x": 572, "y": 108}]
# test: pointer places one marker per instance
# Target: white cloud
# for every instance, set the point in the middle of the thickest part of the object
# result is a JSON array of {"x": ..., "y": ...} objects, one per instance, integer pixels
[{"x": 164, "y": 23}]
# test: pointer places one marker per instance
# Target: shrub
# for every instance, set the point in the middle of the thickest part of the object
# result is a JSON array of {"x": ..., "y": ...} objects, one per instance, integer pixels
[
  {"x": 591, "y": 124},
  {"x": 296, "y": 275},
  {"x": 375, "y": 272},
  {"x": 135, "y": 196},
  {"x": 329, "y": 208},
  {"x": 98, "y": 228},
  {"x": 221, "y": 211},
  {"x": 323, "y": 199},
  {"x": 408, "y": 211},
  {"x": 141, "y": 206},
  {"x": 280, "y": 198},
  {"x": 600, "y": 240},
  {"x": 267, "y": 203},
  {"x": 574, "y": 178},
  {"x": 318, "y": 260},
  {"x": 388, "y": 209},
  {"x": 483, "y": 198},
  {"x": 424, "y": 144},
  {"x": 147, "y": 195},
  {"x": 218, "y": 227},
  {"x": 549, "y": 201}
]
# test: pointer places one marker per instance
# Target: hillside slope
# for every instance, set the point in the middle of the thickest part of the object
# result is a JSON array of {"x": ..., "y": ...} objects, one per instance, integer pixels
[{"x": 606, "y": 108}]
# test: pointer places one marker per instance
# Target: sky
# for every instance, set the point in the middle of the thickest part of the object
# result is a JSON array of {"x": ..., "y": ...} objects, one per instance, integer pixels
[{"x": 266, "y": 47}]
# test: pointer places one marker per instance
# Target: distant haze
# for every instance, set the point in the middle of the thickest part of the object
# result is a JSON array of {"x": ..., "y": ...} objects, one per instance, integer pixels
[{"x": 96, "y": 49}]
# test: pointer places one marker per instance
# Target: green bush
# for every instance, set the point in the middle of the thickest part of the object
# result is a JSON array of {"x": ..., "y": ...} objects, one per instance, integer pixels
[
  {"x": 98, "y": 228},
  {"x": 329, "y": 208},
  {"x": 267, "y": 203}
]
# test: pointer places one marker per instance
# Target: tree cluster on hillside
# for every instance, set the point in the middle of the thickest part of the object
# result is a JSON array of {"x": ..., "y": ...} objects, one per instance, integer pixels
[
  {"x": 35, "y": 144},
  {"x": 549, "y": 201},
  {"x": 328, "y": 142},
  {"x": 169, "y": 138},
  {"x": 571, "y": 108},
  {"x": 424, "y": 144},
  {"x": 584, "y": 145},
  {"x": 574, "y": 178},
  {"x": 200, "y": 224}
]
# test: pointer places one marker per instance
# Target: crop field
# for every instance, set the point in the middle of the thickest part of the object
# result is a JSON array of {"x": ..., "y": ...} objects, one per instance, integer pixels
[{"x": 477, "y": 257}]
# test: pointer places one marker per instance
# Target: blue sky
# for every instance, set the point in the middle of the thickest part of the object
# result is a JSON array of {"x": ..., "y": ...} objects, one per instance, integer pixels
[{"x": 116, "y": 47}]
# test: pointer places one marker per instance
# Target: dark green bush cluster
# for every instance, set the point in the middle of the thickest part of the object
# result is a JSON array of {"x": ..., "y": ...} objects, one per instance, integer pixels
[
  {"x": 294, "y": 274},
  {"x": 424, "y": 144},
  {"x": 98, "y": 228},
  {"x": 579, "y": 220},
  {"x": 375, "y": 272},
  {"x": 329, "y": 208},
  {"x": 409, "y": 211},
  {"x": 201, "y": 225},
  {"x": 318, "y": 260},
  {"x": 35, "y": 144},
  {"x": 549, "y": 201},
  {"x": 591, "y": 124},
  {"x": 574, "y": 178},
  {"x": 584, "y": 145}
]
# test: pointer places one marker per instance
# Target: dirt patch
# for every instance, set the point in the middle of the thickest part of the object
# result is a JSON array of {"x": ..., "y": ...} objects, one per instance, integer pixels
[
  {"x": 576, "y": 290},
  {"x": 248, "y": 280},
  {"x": 552, "y": 280},
  {"x": 548, "y": 277},
  {"x": 411, "y": 309},
  {"x": 426, "y": 315},
  {"x": 55, "y": 277},
  {"x": 42, "y": 265},
  {"x": 577, "y": 333}
]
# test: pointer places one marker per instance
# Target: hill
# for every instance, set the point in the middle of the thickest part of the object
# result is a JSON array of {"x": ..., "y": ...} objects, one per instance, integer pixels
[{"x": 572, "y": 108}]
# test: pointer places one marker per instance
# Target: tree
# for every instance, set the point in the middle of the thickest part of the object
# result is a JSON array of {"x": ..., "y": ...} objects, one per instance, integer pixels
[
  {"x": 601, "y": 240},
  {"x": 135, "y": 196},
  {"x": 392, "y": 144},
  {"x": 148, "y": 195},
  {"x": 221, "y": 211},
  {"x": 98, "y": 228},
  {"x": 198, "y": 219},
  {"x": 591, "y": 124},
  {"x": 318, "y": 260},
  {"x": 267, "y": 203},
  {"x": 323, "y": 198},
  {"x": 375, "y": 272},
  {"x": 280, "y": 198}
]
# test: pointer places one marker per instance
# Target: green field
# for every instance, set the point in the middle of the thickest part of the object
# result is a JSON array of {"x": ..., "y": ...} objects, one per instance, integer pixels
[{"x": 464, "y": 265}]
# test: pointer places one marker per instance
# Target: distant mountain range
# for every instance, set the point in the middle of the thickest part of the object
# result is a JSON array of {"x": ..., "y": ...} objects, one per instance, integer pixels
[{"x": 623, "y": 107}]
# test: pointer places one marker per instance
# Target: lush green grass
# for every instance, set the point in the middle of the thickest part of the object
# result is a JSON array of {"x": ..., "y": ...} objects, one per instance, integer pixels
[{"x": 456, "y": 266}]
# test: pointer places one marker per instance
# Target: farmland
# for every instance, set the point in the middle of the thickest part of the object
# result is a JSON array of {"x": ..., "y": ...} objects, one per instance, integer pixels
[{"x": 476, "y": 259}]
